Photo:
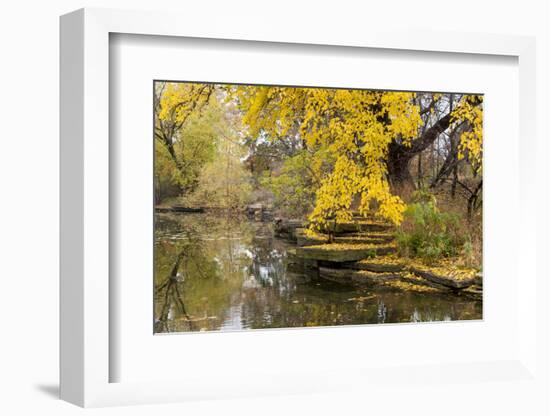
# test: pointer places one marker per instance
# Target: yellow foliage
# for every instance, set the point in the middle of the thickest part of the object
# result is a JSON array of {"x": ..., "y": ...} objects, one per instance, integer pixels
[
  {"x": 387, "y": 260},
  {"x": 348, "y": 247},
  {"x": 411, "y": 287},
  {"x": 179, "y": 100},
  {"x": 471, "y": 140},
  {"x": 354, "y": 127},
  {"x": 448, "y": 268}
]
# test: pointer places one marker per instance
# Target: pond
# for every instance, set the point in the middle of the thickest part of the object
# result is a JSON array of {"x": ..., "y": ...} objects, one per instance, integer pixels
[{"x": 223, "y": 273}]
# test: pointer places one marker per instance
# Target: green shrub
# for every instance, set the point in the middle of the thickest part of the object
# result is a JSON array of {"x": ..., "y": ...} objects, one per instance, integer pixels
[
  {"x": 424, "y": 195},
  {"x": 428, "y": 233}
]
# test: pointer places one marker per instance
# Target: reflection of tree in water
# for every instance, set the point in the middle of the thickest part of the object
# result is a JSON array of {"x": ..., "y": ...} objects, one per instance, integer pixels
[
  {"x": 170, "y": 293},
  {"x": 172, "y": 258},
  {"x": 217, "y": 272},
  {"x": 327, "y": 304},
  {"x": 382, "y": 310},
  {"x": 267, "y": 265},
  {"x": 199, "y": 265}
]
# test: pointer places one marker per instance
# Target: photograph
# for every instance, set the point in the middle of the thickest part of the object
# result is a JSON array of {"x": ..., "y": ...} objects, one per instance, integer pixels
[
  {"x": 311, "y": 206},
  {"x": 244, "y": 208}
]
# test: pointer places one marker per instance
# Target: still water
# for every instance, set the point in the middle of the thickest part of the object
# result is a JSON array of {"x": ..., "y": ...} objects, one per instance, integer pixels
[{"x": 224, "y": 273}]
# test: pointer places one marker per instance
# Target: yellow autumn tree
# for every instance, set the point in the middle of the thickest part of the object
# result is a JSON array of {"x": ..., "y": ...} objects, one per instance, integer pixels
[
  {"x": 469, "y": 110},
  {"x": 366, "y": 138},
  {"x": 355, "y": 126},
  {"x": 175, "y": 104}
]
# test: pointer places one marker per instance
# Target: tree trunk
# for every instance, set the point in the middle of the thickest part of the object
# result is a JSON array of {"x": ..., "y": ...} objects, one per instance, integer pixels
[
  {"x": 419, "y": 173},
  {"x": 399, "y": 155},
  {"x": 400, "y": 177},
  {"x": 473, "y": 199},
  {"x": 455, "y": 180}
]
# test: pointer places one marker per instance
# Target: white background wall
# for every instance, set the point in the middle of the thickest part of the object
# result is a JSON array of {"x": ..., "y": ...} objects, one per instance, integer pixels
[{"x": 29, "y": 57}]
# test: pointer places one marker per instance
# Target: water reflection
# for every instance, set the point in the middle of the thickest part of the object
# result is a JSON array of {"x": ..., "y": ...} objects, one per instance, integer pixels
[{"x": 227, "y": 273}]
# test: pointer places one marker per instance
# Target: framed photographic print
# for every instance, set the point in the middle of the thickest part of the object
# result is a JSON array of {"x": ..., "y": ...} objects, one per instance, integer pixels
[
  {"x": 282, "y": 206},
  {"x": 289, "y": 213}
]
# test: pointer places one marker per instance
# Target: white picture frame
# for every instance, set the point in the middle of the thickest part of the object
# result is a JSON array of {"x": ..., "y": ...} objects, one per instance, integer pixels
[{"x": 85, "y": 220}]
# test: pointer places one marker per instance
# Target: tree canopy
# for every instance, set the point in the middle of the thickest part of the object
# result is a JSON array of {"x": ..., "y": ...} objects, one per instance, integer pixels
[
  {"x": 367, "y": 134},
  {"x": 325, "y": 152}
]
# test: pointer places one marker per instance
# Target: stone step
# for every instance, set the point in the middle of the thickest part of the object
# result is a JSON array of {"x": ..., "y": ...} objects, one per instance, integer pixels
[
  {"x": 356, "y": 277},
  {"x": 382, "y": 235},
  {"x": 379, "y": 268},
  {"x": 360, "y": 239},
  {"x": 359, "y": 226},
  {"x": 396, "y": 280},
  {"x": 411, "y": 278},
  {"x": 304, "y": 238},
  {"x": 307, "y": 238},
  {"x": 379, "y": 265},
  {"x": 455, "y": 279},
  {"x": 448, "y": 276},
  {"x": 340, "y": 253}
]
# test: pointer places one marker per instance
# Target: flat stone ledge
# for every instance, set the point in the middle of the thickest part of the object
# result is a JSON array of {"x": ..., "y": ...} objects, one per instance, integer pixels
[
  {"x": 366, "y": 239},
  {"x": 340, "y": 254},
  {"x": 303, "y": 239},
  {"x": 450, "y": 280},
  {"x": 360, "y": 226},
  {"x": 379, "y": 266},
  {"x": 356, "y": 277}
]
